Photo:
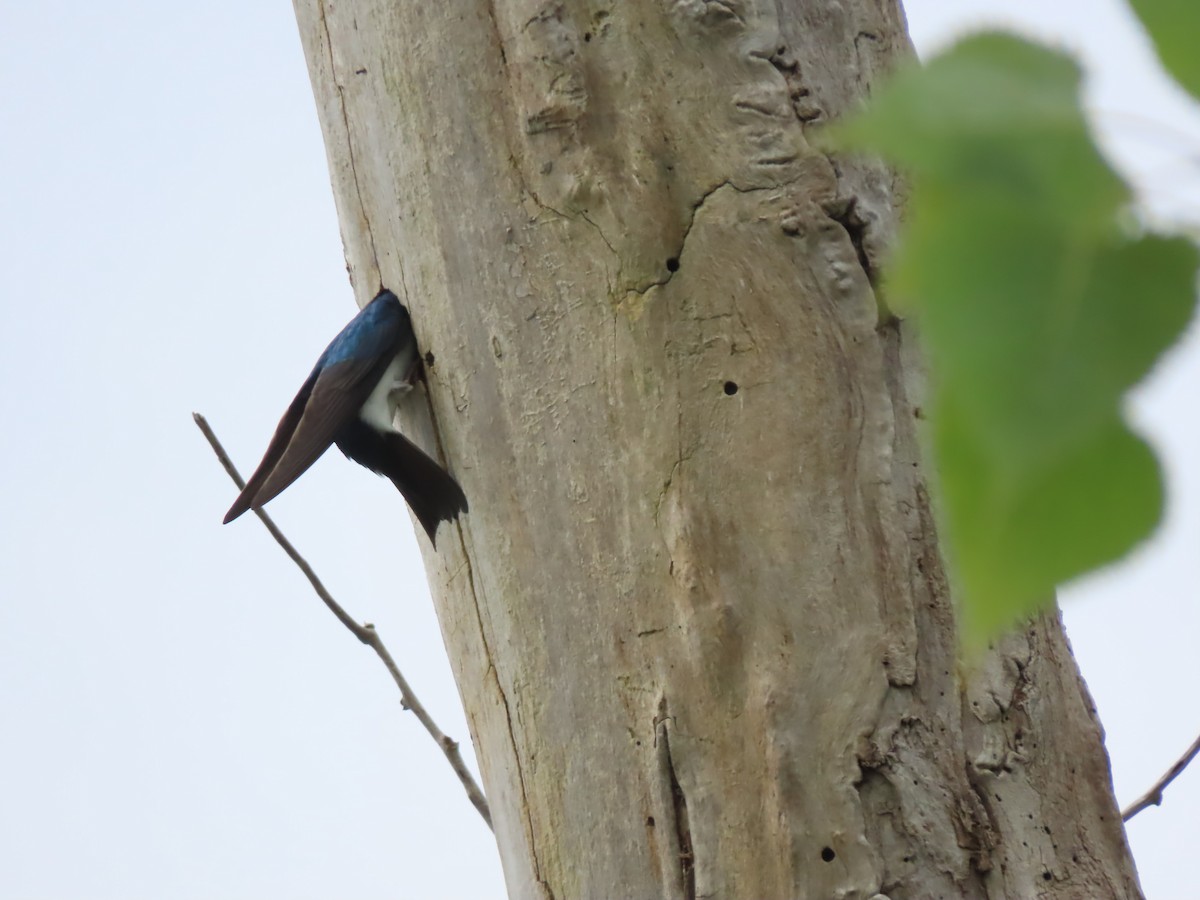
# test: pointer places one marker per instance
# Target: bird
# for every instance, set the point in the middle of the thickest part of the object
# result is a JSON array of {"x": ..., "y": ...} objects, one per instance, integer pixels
[{"x": 349, "y": 400}]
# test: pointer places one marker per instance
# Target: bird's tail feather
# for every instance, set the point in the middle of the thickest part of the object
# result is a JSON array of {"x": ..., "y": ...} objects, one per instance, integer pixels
[{"x": 430, "y": 491}]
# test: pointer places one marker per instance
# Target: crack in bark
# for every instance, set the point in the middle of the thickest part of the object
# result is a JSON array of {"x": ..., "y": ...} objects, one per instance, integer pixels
[
  {"x": 678, "y": 254},
  {"x": 341, "y": 91},
  {"x": 845, "y": 213},
  {"x": 491, "y": 11},
  {"x": 495, "y": 678},
  {"x": 600, "y": 232},
  {"x": 679, "y": 807},
  {"x": 580, "y": 216}
]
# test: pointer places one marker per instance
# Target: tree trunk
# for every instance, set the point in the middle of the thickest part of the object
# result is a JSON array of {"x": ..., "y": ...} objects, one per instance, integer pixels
[{"x": 697, "y": 612}]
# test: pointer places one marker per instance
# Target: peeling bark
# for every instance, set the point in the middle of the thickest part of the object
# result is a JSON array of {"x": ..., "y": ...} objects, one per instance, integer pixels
[{"x": 688, "y": 429}]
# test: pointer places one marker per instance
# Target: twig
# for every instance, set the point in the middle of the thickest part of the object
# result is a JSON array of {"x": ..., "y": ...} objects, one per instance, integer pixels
[
  {"x": 1154, "y": 796},
  {"x": 365, "y": 633}
]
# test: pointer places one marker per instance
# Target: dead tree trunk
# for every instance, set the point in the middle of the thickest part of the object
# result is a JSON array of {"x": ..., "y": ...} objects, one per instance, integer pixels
[{"x": 697, "y": 612}]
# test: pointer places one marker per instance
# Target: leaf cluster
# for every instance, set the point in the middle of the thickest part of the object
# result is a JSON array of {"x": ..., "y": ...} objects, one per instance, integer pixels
[{"x": 1041, "y": 301}]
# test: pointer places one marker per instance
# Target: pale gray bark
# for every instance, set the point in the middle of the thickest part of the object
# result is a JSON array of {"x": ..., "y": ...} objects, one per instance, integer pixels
[{"x": 702, "y": 634}]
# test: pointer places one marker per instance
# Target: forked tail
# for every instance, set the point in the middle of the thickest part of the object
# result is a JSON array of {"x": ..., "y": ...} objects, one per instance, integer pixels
[{"x": 430, "y": 491}]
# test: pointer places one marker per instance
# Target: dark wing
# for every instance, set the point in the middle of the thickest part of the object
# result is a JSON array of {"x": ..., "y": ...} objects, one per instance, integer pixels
[
  {"x": 343, "y": 378},
  {"x": 275, "y": 450},
  {"x": 429, "y": 490},
  {"x": 334, "y": 400}
]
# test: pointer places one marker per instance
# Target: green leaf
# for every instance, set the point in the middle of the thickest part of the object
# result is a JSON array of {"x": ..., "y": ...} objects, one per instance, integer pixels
[
  {"x": 1174, "y": 27},
  {"x": 1015, "y": 535},
  {"x": 1039, "y": 309}
]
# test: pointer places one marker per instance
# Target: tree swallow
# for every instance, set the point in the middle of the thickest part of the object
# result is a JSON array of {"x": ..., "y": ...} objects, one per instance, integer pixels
[{"x": 348, "y": 400}]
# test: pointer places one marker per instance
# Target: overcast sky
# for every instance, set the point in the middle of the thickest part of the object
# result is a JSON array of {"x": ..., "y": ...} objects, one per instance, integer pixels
[{"x": 179, "y": 718}]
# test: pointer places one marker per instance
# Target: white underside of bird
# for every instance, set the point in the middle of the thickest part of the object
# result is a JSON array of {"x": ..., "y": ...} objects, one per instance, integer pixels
[{"x": 380, "y": 409}]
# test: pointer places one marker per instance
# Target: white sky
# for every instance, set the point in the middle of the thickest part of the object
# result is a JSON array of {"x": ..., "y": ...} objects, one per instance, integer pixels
[{"x": 179, "y": 717}]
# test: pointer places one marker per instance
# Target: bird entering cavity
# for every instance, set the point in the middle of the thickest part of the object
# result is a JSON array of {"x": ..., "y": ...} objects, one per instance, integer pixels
[{"x": 349, "y": 400}]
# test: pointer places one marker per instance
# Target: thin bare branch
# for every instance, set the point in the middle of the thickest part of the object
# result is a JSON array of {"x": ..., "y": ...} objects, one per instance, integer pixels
[
  {"x": 1154, "y": 796},
  {"x": 365, "y": 633}
]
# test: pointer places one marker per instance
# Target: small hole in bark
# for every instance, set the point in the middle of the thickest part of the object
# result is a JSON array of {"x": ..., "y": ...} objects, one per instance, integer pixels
[
  {"x": 587, "y": 39},
  {"x": 429, "y": 359},
  {"x": 1046, "y": 876},
  {"x": 650, "y": 821},
  {"x": 828, "y": 855},
  {"x": 731, "y": 388},
  {"x": 672, "y": 265}
]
